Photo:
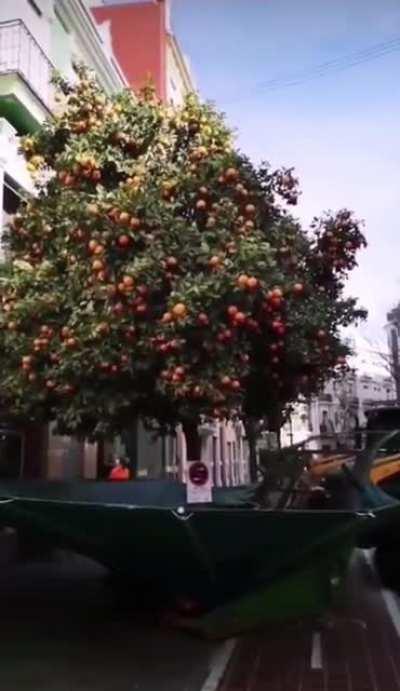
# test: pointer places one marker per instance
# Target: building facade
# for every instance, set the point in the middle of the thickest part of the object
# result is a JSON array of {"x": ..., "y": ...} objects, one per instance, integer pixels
[
  {"x": 36, "y": 38},
  {"x": 393, "y": 339},
  {"x": 145, "y": 46},
  {"x": 125, "y": 45},
  {"x": 340, "y": 408}
]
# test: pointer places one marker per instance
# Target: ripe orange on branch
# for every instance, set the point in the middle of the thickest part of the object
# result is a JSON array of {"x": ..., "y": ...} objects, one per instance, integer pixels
[
  {"x": 97, "y": 265},
  {"x": 179, "y": 311},
  {"x": 242, "y": 281},
  {"x": 124, "y": 241},
  {"x": 231, "y": 175}
]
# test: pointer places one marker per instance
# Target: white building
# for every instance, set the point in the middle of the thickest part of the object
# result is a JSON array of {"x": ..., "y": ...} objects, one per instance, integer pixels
[
  {"x": 393, "y": 339},
  {"x": 343, "y": 403},
  {"x": 36, "y": 37}
]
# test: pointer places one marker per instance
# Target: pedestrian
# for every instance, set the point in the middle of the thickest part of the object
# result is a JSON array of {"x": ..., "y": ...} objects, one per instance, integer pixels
[
  {"x": 120, "y": 471},
  {"x": 327, "y": 433},
  {"x": 358, "y": 434}
]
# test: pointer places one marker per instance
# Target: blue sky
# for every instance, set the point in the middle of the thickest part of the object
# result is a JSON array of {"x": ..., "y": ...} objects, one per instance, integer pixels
[{"x": 341, "y": 132}]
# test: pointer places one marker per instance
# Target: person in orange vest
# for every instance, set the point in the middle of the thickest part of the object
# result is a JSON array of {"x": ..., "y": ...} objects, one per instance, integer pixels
[{"x": 120, "y": 471}]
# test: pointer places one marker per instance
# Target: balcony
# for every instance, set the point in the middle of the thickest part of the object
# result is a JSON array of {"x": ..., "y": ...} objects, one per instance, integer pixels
[
  {"x": 13, "y": 162},
  {"x": 26, "y": 95}
]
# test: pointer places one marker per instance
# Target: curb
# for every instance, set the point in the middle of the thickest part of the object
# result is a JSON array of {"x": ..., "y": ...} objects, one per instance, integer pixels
[{"x": 219, "y": 664}]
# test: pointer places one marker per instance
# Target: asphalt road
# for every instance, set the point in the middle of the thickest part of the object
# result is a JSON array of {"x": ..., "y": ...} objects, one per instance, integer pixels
[{"x": 61, "y": 630}]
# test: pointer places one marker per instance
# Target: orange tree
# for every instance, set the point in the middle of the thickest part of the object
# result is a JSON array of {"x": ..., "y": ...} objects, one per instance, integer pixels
[{"x": 159, "y": 274}]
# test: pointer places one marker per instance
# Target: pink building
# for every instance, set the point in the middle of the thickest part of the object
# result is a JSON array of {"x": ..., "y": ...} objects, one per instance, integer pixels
[{"x": 145, "y": 46}]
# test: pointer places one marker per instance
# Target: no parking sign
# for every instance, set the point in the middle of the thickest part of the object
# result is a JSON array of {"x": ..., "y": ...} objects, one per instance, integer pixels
[{"x": 198, "y": 485}]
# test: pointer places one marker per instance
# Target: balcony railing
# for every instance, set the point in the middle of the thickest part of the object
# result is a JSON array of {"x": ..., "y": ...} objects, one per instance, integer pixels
[{"x": 21, "y": 54}]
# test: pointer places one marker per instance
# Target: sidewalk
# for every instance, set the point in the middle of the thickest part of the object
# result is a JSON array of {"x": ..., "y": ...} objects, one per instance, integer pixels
[{"x": 356, "y": 649}]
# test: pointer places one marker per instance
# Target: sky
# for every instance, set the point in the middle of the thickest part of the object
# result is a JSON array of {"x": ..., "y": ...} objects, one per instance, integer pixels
[{"x": 340, "y": 131}]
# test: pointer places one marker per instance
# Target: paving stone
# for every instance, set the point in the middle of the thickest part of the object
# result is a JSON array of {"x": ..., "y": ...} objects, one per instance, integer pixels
[{"x": 360, "y": 648}]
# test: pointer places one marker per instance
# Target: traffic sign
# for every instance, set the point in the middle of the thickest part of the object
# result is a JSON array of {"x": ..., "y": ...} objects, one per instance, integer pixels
[{"x": 198, "y": 483}]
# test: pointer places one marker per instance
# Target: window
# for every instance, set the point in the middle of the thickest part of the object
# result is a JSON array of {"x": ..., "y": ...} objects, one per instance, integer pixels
[
  {"x": 304, "y": 422},
  {"x": 61, "y": 21},
  {"x": 10, "y": 454},
  {"x": 11, "y": 199},
  {"x": 35, "y": 7},
  {"x": 11, "y": 202}
]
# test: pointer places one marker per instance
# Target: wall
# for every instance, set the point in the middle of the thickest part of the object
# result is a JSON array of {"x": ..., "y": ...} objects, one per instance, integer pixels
[
  {"x": 149, "y": 454},
  {"x": 38, "y": 25},
  {"x": 35, "y": 451},
  {"x": 343, "y": 401},
  {"x": 11, "y": 160},
  {"x": 373, "y": 391},
  {"x": 178, "y": 82},
  {"x": 62, "y": 46},
  {"x": 64, "y": 30},
  {"x": 393, "y": 338},
  {"x": 12, "y": 164},
  {"x": 65, "y": 457},
  {"x": 139, "y": 41}
]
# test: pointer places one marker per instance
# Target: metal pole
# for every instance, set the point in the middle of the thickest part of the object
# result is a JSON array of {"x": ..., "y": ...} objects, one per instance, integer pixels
[
  {"x": 164, "y": 464},
  {"x": 394, "y": 347},
  {"x": 291, "y": 429}
]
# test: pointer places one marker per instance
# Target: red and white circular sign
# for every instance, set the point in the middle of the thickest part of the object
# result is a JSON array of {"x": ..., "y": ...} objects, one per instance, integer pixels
[{"x": 198, "y": 473}]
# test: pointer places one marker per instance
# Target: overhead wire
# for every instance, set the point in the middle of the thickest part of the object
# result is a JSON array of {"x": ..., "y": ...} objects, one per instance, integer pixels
[{"x": 324, "y": 69}]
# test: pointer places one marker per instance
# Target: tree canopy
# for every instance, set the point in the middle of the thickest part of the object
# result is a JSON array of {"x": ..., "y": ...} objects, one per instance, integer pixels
[{"x": 158, "y": 273}]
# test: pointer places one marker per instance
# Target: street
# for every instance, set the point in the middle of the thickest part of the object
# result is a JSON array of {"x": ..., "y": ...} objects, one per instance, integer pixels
[{"x": 62, "y": 631}]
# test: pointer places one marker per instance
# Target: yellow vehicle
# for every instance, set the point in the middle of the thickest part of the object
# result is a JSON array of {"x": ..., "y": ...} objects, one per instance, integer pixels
[{"x": 385, "y": 470}]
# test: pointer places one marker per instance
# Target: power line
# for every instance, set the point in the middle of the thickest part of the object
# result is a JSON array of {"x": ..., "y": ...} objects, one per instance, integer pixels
[
  {"x": 364, "y": 54},
  {"x": 325, "y": 68}
]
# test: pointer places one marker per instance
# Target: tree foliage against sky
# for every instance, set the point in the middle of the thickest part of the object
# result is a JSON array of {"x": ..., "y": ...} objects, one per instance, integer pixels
[{"x": 159, "y": 274}]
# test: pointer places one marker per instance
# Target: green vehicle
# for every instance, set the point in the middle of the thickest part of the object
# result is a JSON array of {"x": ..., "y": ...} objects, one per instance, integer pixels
[
  {"x": 386, "y": 474},
  {"x": 386, "y": 467},
  {"x": 232, "y": 563}
]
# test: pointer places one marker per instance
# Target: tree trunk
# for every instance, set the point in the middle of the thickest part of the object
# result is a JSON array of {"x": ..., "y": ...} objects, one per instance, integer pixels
[
  {"x": 278, "y": 437},
  {"x": 130, "y": 439},
  {"x": 275, "y": 421},
  {"x": 193, "y": 441},
  {"x": 251, "y": 434},
  {"x": 101, "y": 461}
]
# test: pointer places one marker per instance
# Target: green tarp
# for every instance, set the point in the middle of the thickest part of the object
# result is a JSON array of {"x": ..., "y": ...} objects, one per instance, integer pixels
[{"x": 225, "y": 557}]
